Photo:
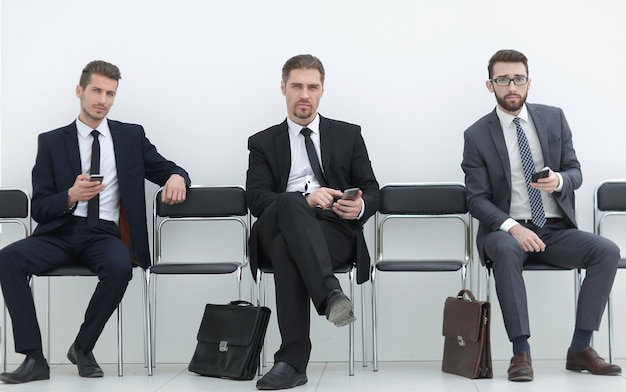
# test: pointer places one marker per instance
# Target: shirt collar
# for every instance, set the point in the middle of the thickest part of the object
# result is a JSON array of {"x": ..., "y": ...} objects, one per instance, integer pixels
[
  {"x": 507, "y": 119},
  {"x": 84, "y": 130},
  {"x": 294, "y": 129}
]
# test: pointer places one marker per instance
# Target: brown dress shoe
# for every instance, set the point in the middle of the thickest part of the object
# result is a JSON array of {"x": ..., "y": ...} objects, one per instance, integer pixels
[
  {"x": 521, "y": 367},
  {"x": 590, "y": 361}
]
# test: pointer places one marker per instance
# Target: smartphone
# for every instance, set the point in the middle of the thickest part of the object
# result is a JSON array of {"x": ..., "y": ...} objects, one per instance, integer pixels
[
  {"x": 540, "y": 174},
  {"x": 96, "y": 177},
  {"x": 350, "y": 194}
]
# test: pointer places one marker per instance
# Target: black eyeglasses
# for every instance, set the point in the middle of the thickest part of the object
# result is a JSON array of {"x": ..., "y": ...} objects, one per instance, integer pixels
[{"x": 506, "y": 82}]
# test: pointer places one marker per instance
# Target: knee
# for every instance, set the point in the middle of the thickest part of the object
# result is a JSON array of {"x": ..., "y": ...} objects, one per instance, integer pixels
[
  {"x": 609, "y": 252},
  {"x": 10, "y": 258},
  {"x": 120, "y": 271},
  {"x": 504, "y": 251}
]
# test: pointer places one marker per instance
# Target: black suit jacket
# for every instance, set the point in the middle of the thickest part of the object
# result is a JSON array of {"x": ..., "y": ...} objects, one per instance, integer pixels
[
  {"x": 488, "y": 170},
  {"x": 345, "y": 163},
  {"x": 58, "y": 163}
]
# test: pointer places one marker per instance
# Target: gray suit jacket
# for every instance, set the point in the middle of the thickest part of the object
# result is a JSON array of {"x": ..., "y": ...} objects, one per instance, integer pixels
[{"x": 488, "y": 170}]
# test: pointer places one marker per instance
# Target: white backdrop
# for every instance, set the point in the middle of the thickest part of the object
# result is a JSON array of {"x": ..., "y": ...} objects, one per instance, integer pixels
[{"x": 203, "y": 76}]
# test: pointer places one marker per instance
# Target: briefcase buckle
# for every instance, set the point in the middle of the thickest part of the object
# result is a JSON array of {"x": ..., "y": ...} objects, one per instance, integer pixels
[
  {"x": 460, "y": 341},
  {"x": 223, "y": 346}
]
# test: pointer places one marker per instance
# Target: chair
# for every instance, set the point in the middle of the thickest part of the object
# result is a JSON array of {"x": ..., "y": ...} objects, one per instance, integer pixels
[
  {"x": 203, "y": 204},
  {"x": 609, "y": 201},
  {"x": 419, "y": 204},
  {"x": 80, "y": 270},
  {"x": 14, "y": 209},
  {"x": 346, "y": 269}
]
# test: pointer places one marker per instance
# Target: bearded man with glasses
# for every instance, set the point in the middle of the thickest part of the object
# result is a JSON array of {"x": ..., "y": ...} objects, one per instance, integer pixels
[{"x": 521, "y": 172}]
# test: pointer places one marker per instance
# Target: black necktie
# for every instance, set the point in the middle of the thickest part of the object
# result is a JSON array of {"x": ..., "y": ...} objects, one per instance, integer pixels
[
  {"x": 93, "y": 206},
  {"x": 310, "y": 151}
]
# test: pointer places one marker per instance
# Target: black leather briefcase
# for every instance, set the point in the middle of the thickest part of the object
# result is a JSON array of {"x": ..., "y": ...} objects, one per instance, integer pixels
[{"x": 230, "y": 339}]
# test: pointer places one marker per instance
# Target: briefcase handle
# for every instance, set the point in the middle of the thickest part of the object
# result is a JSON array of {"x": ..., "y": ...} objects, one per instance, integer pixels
[{"x": 468, "y": 293}]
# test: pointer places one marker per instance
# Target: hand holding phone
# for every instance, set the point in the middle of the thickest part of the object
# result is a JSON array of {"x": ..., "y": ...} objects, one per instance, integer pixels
[
  {"x": 350, "y": 194},
  {"x": 96, "y": 177},
  {"x": 540, "y": 174}
]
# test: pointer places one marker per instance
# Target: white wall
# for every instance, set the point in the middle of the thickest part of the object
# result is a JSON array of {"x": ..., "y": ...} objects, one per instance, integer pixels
[{"x": 202, "y": 76}]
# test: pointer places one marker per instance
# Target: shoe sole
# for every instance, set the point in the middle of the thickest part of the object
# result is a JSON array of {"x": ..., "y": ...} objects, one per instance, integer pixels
[
  {"x": 342, "y": 313},
  {"x": 578, "y": 368},
  {"x": 521, "y": 378},
  {"x": 272, "y": 388},
  {"x": 10, "y": 380}
]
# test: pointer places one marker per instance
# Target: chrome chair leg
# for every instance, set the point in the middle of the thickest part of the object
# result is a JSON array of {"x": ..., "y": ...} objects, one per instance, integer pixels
[
  {"x": 609, "y": 310},
  {"x": 363, "y": 340},
  {"x": 120, "y": 356},
  {"x": 148, "y": 318},
  {"x": 351, "y": 329},
  {"x": 262, "y": 292},
  {"x": 374, "y": 322},
  {"x": 4, "y": 338}
]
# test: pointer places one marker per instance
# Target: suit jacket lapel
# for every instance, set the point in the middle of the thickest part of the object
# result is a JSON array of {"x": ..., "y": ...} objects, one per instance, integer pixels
[
  {"x": 283, "y": 154},
  {"x": 326, "y": 144},
  {"x": 540, "y": 127},
  {"x": 118, "y": 148},
  {"x": 495, "y": 129},
  {"x": 72, "y": 150}
]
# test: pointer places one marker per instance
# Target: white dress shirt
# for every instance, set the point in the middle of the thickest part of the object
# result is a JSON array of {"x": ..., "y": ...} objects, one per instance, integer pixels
[
  {"x": 520, "y": 203},
  {"x": 301, "y": 176},
  {"x": 110, "y": 196}
]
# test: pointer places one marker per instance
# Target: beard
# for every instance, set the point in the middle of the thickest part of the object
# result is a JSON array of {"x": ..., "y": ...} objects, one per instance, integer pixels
[
  {"x": 511, "y": 106},
  {"x": 303, "y": 114}
]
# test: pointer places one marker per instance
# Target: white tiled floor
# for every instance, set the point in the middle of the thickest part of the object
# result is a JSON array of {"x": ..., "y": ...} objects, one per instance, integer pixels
[{"x": 392, "y": 377}]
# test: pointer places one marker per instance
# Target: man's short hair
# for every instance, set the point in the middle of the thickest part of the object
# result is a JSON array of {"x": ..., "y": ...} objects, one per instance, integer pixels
[
  {"x": 99, "y": 67},
  {"x": 303, "y": 61},
  {"x": 507, "y": 56}
]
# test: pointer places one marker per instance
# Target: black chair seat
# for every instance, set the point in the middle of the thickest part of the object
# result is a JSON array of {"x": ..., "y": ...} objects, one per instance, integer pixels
[
  {"x": 534, "y": 266},
  {"x": 342, "y": 269},
  {"x": 419, "y": 265},
  {"x": 68, "y": 270},
  {"x": 194, "y": 268}
]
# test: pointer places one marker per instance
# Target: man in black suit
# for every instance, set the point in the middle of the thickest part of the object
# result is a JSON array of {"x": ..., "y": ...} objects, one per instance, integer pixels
[
  {"x": 522, "y": 218},
  {"x": 79, "y": 221},
  {"x": 304, "y": 227}
]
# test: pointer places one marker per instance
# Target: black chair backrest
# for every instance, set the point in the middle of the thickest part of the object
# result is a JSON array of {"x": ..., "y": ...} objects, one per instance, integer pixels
[
  {"x": 206, "y": 202},
  {"x": 611, "y": 196},
  {"x": 13, "y": 204},
  {"x": 423, "y": 199}
]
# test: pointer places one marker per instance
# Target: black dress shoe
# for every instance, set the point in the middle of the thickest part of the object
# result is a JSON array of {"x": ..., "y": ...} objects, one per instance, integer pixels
[
  {"x": 339, "y": 309},
  {"x": 281, "y": 376},
  {"x": 86, "y": 363},
  {"x": 30, "y": 370}
]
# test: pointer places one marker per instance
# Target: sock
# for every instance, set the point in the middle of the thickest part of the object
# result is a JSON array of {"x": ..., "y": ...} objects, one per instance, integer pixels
[
  {"x": 580, "y": 340},
  {"x": 520, "y": 344}
]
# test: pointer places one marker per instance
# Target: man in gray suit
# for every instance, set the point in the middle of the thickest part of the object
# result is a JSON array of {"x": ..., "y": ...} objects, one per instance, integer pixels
[{"x": 524, "y": 218}]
